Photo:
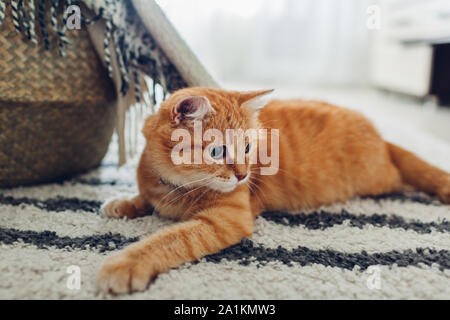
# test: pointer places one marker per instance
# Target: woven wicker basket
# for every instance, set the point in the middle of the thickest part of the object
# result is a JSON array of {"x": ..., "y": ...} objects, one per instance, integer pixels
[{"x": 57, "y": 114}]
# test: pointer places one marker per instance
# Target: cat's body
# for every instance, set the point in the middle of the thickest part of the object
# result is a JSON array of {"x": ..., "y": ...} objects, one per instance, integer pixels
[{"x": 326, "y": 154}]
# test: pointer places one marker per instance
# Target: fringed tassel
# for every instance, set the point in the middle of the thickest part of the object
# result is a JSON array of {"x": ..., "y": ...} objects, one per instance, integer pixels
[
  {"x": 15, "y": 15},
  {"x": 137, "y": 84},
  {"x": 154, "y": 92},
  {"x": 138, "y": 122},
  {"x": 151, "y": 99},
  {"x": 138, "y": 112},
  {"x": 54, "y": 15},
  {"x": 42, "y": 24},
  {"x": 125, "y": 79},
  {"x": 129, "y": 124},
  {"x": 24, "y": 18},
  {"x": 148, "y": 96},
  {"x": 32, "y": 20},
  {"x": 136, "y": 79},
  {"x": 2, "y": 11},
  {"x": 63, "y": 40},
  {"x": 106, "y": 49},
  {"x": 161, "y": 77}
]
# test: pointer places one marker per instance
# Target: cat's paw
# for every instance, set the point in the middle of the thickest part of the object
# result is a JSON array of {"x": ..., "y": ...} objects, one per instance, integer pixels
[
  {"x": 444, "y": 191},
  {"x": 123, "y": 273},
  {"x": 118, "y": 208}
]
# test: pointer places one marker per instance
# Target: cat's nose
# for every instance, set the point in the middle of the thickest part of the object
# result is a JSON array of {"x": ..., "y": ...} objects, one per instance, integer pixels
[{"x": 241, "y": 177}]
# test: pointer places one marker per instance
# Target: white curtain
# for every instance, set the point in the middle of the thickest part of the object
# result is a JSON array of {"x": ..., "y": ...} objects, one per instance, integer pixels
[{"x": 277, "y": 41}]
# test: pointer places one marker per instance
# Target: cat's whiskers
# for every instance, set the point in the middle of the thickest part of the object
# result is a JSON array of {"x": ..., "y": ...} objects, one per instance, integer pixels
[
  {"x": 179, "y": 187},
  {"x": 258, "y": 186},
  {"x": 255, "y": 185},
  {"x": 185, "y": 194},
  {"x": 184, "y": 185},
  {"x": 261, "y": 181},
  {"x": 197, "y": 199},
  {"x": 178, "y": 197}
]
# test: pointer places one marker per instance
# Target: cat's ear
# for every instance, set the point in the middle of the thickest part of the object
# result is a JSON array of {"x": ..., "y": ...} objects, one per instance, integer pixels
[
  {"x": 253, "y": 99},
  {"x": 191, "y": 108}
]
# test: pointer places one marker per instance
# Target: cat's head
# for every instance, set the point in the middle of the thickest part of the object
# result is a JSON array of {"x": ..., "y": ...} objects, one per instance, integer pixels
[{"x": 204, "y": 121}]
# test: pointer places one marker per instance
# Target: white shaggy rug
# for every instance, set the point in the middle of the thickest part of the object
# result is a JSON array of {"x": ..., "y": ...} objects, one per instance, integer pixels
[{"x": 389, "y": 247}]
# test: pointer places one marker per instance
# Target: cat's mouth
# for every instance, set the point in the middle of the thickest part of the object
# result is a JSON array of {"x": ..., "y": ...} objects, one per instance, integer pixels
[
  {"x": 228, "y": 185},
  {"x": 217, "y": 183}
]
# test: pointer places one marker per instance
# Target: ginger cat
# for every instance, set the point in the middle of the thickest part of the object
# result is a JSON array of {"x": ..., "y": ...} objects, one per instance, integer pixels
[{"x": 326, "y": 154}]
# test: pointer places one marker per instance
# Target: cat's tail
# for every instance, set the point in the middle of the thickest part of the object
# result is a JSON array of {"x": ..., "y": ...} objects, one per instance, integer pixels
[{"x": 420, "y": 174}]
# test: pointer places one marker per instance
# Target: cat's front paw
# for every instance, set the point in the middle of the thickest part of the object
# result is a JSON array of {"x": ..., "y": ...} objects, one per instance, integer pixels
[
  {"x": 119, "y": 208},
  {"x": 123, "y": 273},
  {"x": 444, "y": 191}
]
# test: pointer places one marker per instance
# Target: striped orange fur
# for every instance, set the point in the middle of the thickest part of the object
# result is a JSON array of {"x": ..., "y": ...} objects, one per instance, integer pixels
[{"x": 326, "y": 154}]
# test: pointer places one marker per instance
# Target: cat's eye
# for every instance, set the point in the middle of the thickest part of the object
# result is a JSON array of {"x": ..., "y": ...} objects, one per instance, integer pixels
[
  {"x": 247, "y": 148},
  {"x": 218, "y": 152}
]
